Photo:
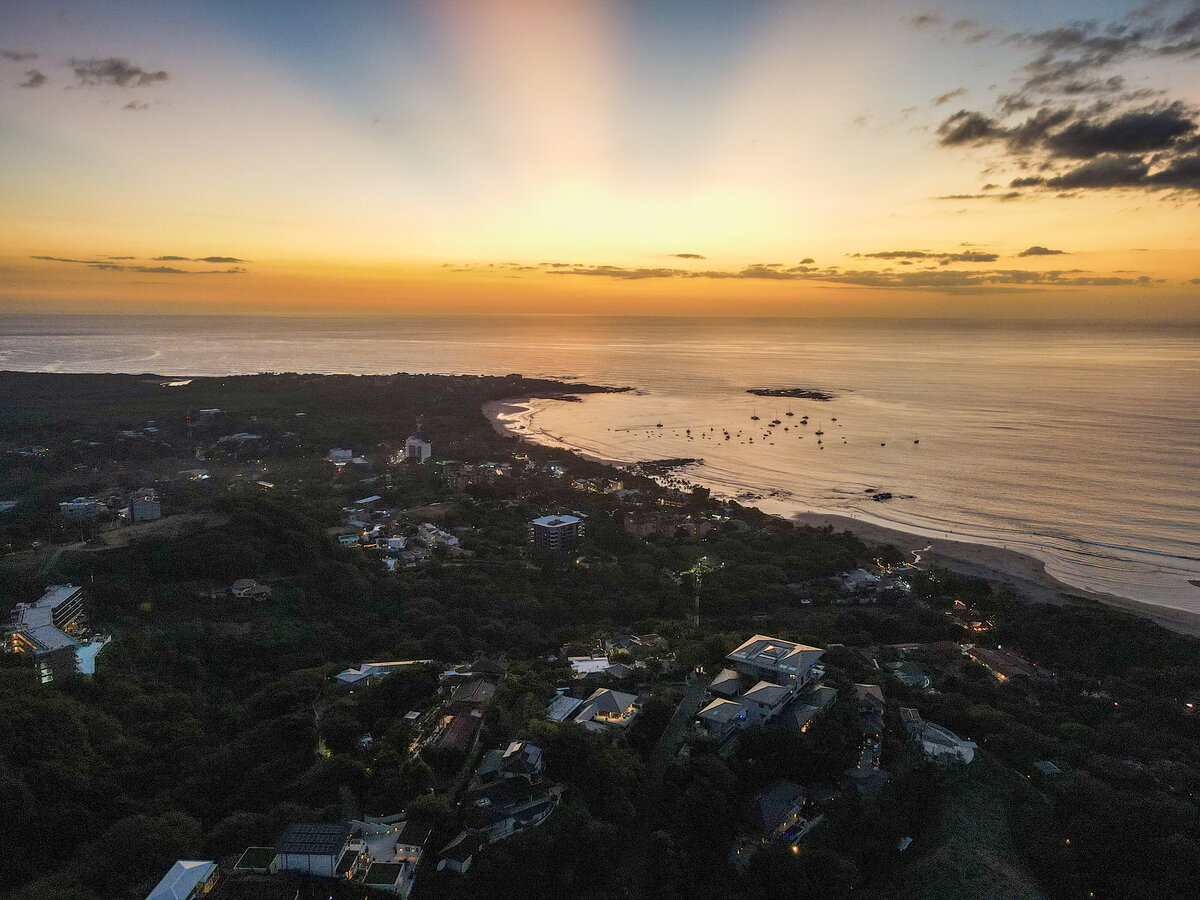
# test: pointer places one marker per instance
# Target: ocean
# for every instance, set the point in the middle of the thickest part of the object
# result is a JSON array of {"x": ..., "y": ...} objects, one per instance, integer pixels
[{"x": 1077, "y": 444}]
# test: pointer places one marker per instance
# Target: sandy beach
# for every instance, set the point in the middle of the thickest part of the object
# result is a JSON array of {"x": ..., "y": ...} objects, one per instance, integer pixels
[
  {"x": 513, "y": 416},
  {"x": 1028, "y": 576}
]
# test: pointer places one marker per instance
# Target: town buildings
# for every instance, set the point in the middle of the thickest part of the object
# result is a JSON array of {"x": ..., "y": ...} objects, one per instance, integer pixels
[
  {"x": 188, "y": 879},
  {"x": 372, "y": 672},
  {"x": 144, "y": 509},
  {"x": 43, "y": 629},
  {"x": 556, "y": 534},
  {"x": 248, "y": 588},
  {"x": 82, "y": 508},
  {"x": 316, "y": 848},
  {"x": 418, "y": 448},
  {"x": 765, "y": 675},
  {"x": 937, "y": 742},
  {"x": 605, "y": 709}
]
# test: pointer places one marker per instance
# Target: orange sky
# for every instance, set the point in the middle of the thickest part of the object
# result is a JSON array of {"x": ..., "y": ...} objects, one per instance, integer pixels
[{"x": 558, "y": 157}]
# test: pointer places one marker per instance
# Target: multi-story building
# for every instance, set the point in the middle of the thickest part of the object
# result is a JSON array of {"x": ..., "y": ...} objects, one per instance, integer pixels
[
  {"x": 765, "y": 675},
  {"x": 785, "y": 663},
  {"x": 42, "y": 628},
  {"x": 82, "y": 508},
  {"x": 418, "y": 448},
  {"x": 144, "y": 509},
  {"x": 556, "y": 534}
]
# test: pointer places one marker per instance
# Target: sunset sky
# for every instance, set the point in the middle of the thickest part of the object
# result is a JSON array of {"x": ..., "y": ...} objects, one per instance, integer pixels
[{"x": 1021, "y": 159}]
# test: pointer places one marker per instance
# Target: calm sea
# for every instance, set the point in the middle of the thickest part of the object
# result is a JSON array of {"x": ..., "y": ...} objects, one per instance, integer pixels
[{"x": 1077, "y": 444}]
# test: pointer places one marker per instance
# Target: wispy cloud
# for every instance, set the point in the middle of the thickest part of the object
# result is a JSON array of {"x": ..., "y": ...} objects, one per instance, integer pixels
[
  {"x": 17, "y": 55},
  {"x": 33, "y": 79},
  {"x": 110, "y": 264},
  {"x": 935, "y": 277},
  {"x": 1037, "y": 250},
  {"x": 948, "y": 96},
  {"x": 687, "y": 256}
]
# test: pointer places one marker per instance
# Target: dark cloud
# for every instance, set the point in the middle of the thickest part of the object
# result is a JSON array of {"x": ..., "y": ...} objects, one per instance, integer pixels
[
  {"x": 1183, "y": 173},
  {"x": 965, "y": 127},
  {"x": 17, "y": 55},
  {"x": 1137, "y": 131},
  {"x": 1036, "y": 250},
  {"x": 941, "y": 258},
  {"x": 948, "y": 96},
  {"x": 33, "y": 78},
  {"x": 925, "y": 20},
  {"x": 114, "y": 71},
  {"x": 688, "y": 256},
  {"x": 219, "y": 259},
  {"x": 136, "y": 105},
  {"x": 1147, "y": 147},
  {"x": 172, "y": 259},
  {"x": 808, "y": 260},
  {"x": 1077, "y": 105},
  {"x": 1104, "y": 172}
]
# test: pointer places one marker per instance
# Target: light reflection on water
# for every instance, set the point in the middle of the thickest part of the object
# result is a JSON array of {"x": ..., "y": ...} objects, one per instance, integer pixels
[{"x": 1078, "y": 443}]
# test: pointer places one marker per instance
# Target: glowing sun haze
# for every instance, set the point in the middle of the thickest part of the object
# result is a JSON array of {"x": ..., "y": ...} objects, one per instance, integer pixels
[{"x": 975, "y": 159}]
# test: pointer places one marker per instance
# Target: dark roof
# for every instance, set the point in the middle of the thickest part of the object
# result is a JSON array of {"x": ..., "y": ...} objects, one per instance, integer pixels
[
  {"x": 775, "y": 802},
  {"x": 316, "y": 838},
  {"x": 412, "y": 834},
  {"x": 460, "y": 732},
  {"x": 477, "y": 693}
]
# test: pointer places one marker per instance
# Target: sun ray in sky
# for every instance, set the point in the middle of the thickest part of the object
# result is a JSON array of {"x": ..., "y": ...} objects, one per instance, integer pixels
[{"x": 595, "y": 157}]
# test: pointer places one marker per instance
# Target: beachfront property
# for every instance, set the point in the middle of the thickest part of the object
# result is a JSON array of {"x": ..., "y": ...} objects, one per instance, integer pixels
[
  {"x": 938, "y": 743},
  {"x": 556, "y": 534},
  {"x": 339, "y": 457},
  {"x": 188, "y": 879},
  {"x": 418, "y": 448}
]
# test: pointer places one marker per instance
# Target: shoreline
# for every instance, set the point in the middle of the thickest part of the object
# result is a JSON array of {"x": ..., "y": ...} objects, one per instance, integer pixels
[{"x": 1024, "y": 573}]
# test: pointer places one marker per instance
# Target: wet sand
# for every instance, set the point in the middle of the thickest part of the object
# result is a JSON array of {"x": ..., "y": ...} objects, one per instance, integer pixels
[{"x": 1026, "y": 575}]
